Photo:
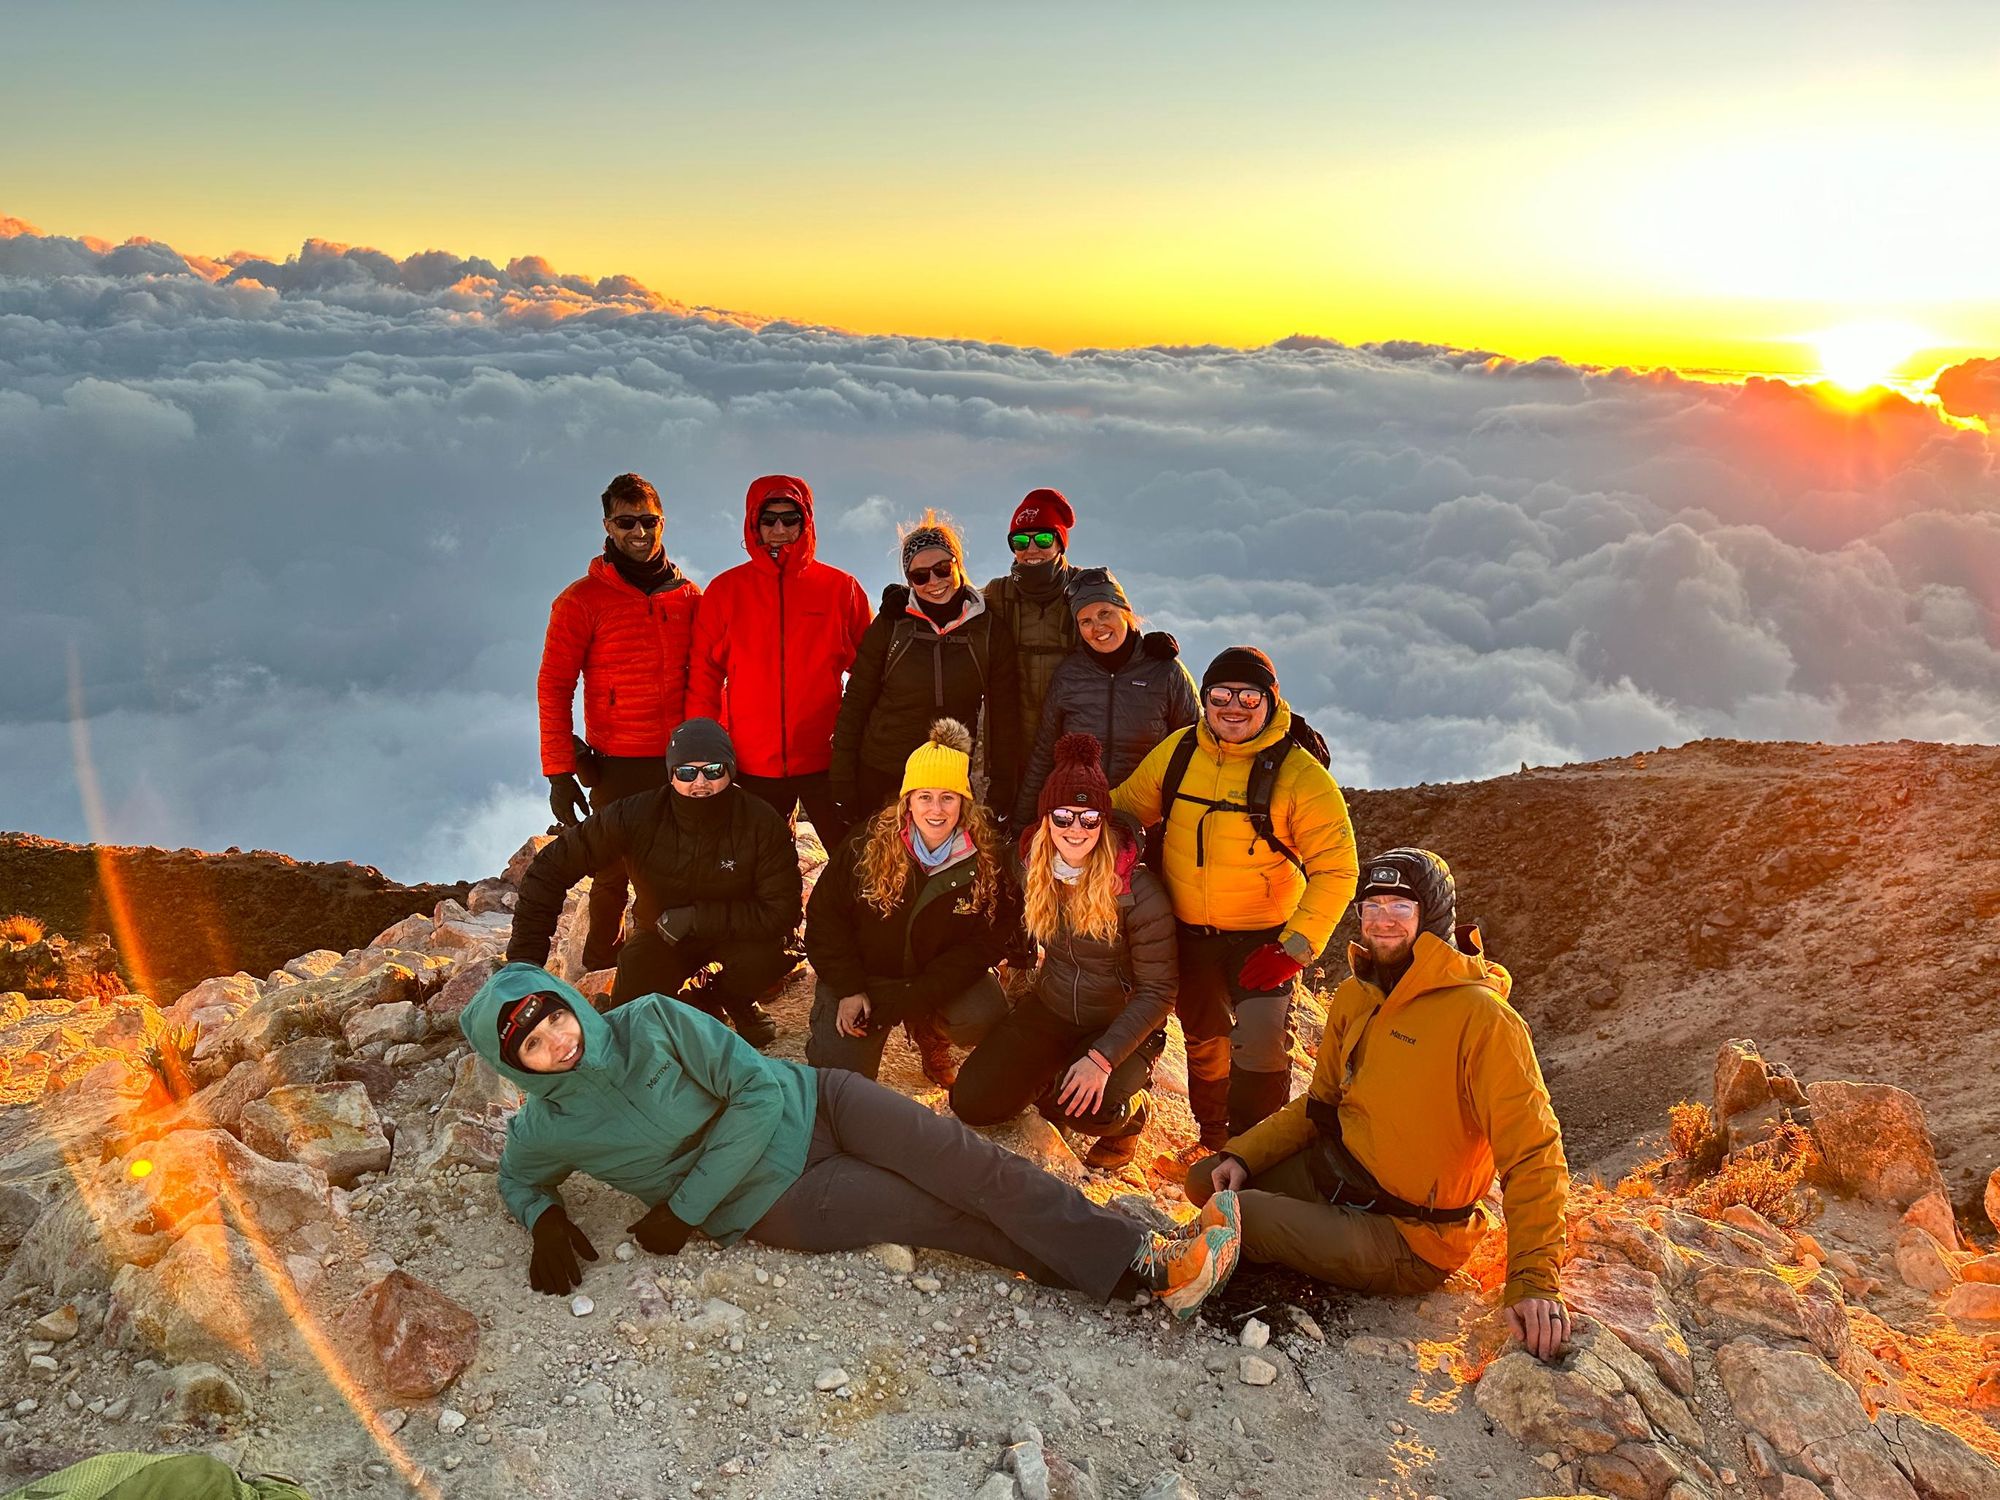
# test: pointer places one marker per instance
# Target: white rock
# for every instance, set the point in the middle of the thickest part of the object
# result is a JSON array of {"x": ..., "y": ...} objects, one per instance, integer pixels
[
  {"x": 624, "y": 1250},
  {"x": 450, "y": 1421},
  {"x": 831, "y": 1378},
  {"x": 1256, "y": 1334},
  {"x": 898, "y": 1258},
  {"x": 59, "y": 1326},
  {"x": 1252, "y": 1370},
  {"x": 581, "y": 1306}
]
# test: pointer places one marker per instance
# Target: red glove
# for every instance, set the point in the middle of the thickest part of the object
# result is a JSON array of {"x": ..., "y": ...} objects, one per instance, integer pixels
[{"x": 1267, "y": 969}]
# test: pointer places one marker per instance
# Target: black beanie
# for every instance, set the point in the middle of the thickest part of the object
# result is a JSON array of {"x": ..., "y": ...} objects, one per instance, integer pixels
[
  {"x": 1420, "y": 875},
  {"x": 1241, "y": 664},
  {"x": 516, "y": 1021},
  {"x": 699, "y": 741}
]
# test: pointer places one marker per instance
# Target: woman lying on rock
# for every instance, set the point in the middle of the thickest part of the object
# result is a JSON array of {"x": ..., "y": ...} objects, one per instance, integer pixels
[
  {"x": 1081, "y": 1045},
  {"x": 671, "y": 1106}
]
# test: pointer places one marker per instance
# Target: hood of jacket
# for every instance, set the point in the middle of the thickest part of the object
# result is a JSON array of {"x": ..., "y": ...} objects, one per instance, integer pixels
[
  {"x": 480, "y": 1021},
  {"x": 772, "y": 487},
  {"x": 1434, "y": 965}
]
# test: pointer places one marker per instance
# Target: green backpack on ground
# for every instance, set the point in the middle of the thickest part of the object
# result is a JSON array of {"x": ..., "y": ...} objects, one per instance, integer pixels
[{"x": 155, "y": 1476}]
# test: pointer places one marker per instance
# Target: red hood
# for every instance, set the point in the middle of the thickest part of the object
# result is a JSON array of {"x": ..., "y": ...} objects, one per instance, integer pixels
[{"x": 769, "y": 487}]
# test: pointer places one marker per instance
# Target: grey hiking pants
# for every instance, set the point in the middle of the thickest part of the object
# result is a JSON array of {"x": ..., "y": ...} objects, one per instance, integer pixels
[
  {"x": 882, "y": 1167},
  {"x": 965, "y": 1018}
]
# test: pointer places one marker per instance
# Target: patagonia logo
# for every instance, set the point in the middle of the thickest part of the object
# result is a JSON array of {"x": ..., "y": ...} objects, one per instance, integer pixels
[
  {"x": 1401, "y": 1038},
  {"x": 1138, "y": 682}
]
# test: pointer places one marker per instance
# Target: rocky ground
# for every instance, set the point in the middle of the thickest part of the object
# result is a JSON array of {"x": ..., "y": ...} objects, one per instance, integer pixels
[{"x": 304, "y": 1267}]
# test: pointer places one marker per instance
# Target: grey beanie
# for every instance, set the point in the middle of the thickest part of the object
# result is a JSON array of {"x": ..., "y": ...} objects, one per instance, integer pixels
[
  {"x": 699, "y": 741},
  {"x": 1096, "y": 586}
]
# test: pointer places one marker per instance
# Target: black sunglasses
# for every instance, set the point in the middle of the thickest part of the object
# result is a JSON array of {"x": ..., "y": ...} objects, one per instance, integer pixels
[
  {"x": 1074, "y": 817},
  {"x": 1021, "y": 541},
  {"x": 626, "y": 523},
  {"x": 785, "y": 518},
  {"x": 935, "y": 573},
  {"x": 1222, "y": 697},
  {"x": 715, "y": 770}
]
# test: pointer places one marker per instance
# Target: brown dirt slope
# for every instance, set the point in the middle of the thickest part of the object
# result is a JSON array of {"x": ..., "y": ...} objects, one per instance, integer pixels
[
  {"x": 1840, "y": 904},
  {"x": 188, "y": 914}
]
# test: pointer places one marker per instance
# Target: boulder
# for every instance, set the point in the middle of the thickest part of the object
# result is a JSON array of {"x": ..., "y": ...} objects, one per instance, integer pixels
[
  {"x": 212, "y": 1296},
  {"x": 230, "y": 992},
  {"x": 146, "y": 1200},
  {"x": 1810, "y": 1310},
  {"x": 1932, "y": 1212},
  {"x": 478, "y": 1091},
  {"x": 1609, "y": 1233},
  {"x": 442, "y": 1008},
  {"x": 521, "y": 858},
  {"x": 19, "y": 1209},
  {"x": 1633, "y": 1471},
  {"x": 310, "y": 1059},
  {"x": 330, "y": 1127},
  {"x": 419, "y": 1339},
  {"x": 465, "y": 1143},
  {"x": 1943, "y": 1465},
  {"x": 1577, "y": 1405},
  {"x": 1811, "y": 1418},
  {"x": 1740, "y": 1081},
  {"x": 314, "y": 1007},
  {"x": 1993, "y": 1199},
  {"x": 1874, "y": 1141},
  {"x": 491, "y": 896},
  {"x": 198, "y": 1390},
  {"x": 1984, "y": 1268},
  {"x": 398, "y": 1021},
  {"x": 314, "y": 965},
  {"x": 1975, "y": 1301},
  {"x": 1634, "y": 1305},
  {"x": 412, "y": 932},
  {"x": 1922, "y": 1262},
  {"x": 472, "y": 937}
]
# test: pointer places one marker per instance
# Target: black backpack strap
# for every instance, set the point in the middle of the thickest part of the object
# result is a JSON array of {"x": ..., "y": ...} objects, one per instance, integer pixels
[{"x": 1257, "y": 796}]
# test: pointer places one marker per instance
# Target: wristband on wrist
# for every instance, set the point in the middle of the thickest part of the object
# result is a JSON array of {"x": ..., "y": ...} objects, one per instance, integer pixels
[{"x": 1098, "y": 1057}]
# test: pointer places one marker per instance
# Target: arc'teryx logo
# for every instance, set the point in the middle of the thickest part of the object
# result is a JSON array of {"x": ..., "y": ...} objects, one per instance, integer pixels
[{"x": 729, "y": 864}]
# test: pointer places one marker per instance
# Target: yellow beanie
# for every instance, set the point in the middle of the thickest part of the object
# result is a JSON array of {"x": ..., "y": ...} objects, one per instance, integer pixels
[{"x": 943, "y": 762}]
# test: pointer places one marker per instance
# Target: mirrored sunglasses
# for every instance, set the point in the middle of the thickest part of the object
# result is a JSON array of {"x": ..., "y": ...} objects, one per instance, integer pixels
[
  {"x": 626, "y": 523},
  {"x": 715, "y": 770},
  {"x": 1021, "y": 541},
  {"x": 1222, "y": 697},
  {"x": 936, "y": 572},
  {"x": 1075, "y": 817}
]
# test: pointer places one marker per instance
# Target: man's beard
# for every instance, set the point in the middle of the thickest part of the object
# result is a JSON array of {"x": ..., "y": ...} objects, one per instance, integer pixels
[{"x": 1388, "y": 958}]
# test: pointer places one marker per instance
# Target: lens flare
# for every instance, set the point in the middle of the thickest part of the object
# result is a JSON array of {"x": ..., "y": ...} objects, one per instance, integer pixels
[{"x": 1855, "y": 356}]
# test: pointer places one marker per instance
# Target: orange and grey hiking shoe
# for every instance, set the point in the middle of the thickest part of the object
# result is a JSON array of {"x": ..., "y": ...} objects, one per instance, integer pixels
[{"x": 1185, "y": 1272}]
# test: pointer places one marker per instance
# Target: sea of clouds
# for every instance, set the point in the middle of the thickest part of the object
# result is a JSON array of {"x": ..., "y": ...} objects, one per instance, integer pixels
[{"x": 288, "y": 532}]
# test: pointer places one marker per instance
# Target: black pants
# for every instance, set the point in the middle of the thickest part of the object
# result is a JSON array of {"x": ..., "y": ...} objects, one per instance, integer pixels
[
  {"x": 650, "y": 965},
  {"x": 1238, "y": 1041},
  {"x": 882, "y": 1167},
  {"x": 1024, "y": 1062},
  {"x": 965, "y": 1018},
  {"x": 785, "y": 793},
  {"x": 617, "y": 776}
]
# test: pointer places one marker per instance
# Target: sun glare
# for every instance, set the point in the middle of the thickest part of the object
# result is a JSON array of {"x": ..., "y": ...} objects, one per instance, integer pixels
[{"x": 1856, "y": 356}]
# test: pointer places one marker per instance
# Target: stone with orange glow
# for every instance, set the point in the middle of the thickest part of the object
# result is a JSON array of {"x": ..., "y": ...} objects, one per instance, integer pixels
[
  {"x": 1932, "y": 1212},
  {"x": 418, "y": 1339},
  {"x": 215, "y": 1295},
  {"x": 196, "y": 1177},
  {"x": 330, "y": 1127},
  {"x": 1578, "y": 1406},
  {"x": 1809, "y": 1309},
  {"x": 1636, "y": 1307},
  {"x": 1975, "y": 1301},
  {"x": 1922, "y": 1262},
  {"x": 1740, "y": 1081},
  {"x": 1874, "y": 1141},
  {"x": 1811, "y": 1418},
  {"x": 1993, "y": 1199}
]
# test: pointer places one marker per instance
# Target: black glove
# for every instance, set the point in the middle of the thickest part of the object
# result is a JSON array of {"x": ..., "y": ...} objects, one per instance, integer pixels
[
  {"x": 661, "y": 1231},
  {"x": 558, "y": 1243},
  {"x": 675, "y": 923},
  {"x": 566, "y": 800}
]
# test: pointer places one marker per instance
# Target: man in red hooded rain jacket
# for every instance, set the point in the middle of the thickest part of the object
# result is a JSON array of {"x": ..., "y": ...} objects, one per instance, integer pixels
[
  {"x": 772, "y": 639},
  {"x": 623, "y": 628}
]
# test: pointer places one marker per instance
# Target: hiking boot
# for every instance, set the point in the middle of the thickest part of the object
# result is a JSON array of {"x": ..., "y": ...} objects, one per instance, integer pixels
[
  {"x": 1172, "y": 1166},
  {"x": 754, "y": 1024},
  {"x": 934, "y": 1051},
  {"x": 1185, "y": 1272},
  {"x": 1111, "y": 1152}
]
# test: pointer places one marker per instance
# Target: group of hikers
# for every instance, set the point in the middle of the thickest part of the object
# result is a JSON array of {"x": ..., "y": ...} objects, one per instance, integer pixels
[{"x": 1013, "y": 781}]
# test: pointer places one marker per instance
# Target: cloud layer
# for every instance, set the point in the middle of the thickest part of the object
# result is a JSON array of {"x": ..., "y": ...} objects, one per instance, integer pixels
[{"x": 294, "y": 526}]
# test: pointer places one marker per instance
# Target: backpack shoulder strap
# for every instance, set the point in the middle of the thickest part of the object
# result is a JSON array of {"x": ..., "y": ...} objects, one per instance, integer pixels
[
  {"x": 1176, "y": 772},
  {"x": 1257, "y": 795}
]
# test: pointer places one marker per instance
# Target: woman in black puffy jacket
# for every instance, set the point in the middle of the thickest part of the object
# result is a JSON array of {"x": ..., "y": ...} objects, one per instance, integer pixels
[
  {"x": 1126, "y": 690},
  {"x": 1081, "y": 1046}
]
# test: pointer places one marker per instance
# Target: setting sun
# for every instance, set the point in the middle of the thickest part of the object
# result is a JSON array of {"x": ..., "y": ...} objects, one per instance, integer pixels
[{"x": 1856, "y": 356}]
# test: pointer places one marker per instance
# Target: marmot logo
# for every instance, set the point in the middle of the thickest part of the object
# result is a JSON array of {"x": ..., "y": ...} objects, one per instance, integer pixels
[{"x": 1401, "y": 1038}]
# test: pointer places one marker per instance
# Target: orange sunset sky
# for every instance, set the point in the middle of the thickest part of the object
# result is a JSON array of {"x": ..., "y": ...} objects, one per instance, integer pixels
[{"x": 1791, "y": 189}]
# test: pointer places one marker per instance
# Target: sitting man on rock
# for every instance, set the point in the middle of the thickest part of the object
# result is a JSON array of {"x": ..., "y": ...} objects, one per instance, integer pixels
[
  {"x": 717, "y": 877},
  {"x": 660, "y": 1101},
  {"x": 1426, "y": 1086}
]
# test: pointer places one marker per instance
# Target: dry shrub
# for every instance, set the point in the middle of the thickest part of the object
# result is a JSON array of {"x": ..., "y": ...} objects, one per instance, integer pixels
[
  {"x": 21, "y": 928},
  {"x": 1768, "y": 1177},
  {"x": 1693, "y": 1138}
]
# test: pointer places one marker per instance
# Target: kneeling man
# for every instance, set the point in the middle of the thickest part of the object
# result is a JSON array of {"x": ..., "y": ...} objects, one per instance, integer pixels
[
  {"x": 717, "y": 877},
  {"x": 1426, "y": 1086}
]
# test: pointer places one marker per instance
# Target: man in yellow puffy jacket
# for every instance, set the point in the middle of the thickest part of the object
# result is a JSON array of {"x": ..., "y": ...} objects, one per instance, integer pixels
[
  {"x": 1427, "y": 1086},
  {"x": 1258, "y": 855}
]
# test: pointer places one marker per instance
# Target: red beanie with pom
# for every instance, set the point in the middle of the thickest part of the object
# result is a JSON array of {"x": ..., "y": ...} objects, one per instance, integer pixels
[
  {"x": 1078, "y": 779},
  {"x": 1044, "y": 510}
]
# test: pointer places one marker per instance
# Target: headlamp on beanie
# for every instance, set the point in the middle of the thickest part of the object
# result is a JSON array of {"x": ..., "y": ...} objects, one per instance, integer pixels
[{"x": 518, "y": 1020}]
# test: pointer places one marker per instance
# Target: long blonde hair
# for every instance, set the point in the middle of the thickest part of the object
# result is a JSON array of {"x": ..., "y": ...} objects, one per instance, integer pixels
[
  {"x": 1090, "y": 907},
  {"x": 885, "y": 861}
]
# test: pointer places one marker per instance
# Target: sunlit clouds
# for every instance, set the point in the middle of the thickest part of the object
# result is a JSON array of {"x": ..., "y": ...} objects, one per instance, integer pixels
[{"x": 299, "y": 520}]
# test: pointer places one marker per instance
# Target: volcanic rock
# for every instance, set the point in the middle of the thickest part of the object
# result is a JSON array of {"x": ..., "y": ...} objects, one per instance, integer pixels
[
  {"x": 211, "y": 1296},
  {"x": 419, "y": 1339},
  {"x": 1813, "y": 1312},
  {"x": 1577, "y": 1405},
  {"x": 1943, "y": 1465},
  {"x": 1922, "y": 1262},
  {"x": 1635, "y": 1306},
  {"x": 330, "y": 1127},
  {"x": 1875, "y": 1141},
  {"x": 1811, "y": 1418},
  {"x": 1740, "y": 1082}
]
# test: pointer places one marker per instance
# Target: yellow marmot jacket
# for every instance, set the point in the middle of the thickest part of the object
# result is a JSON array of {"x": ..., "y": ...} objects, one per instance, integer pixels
[
  {"x": 1438, "y": 1089},
  {"x": 1219, "y": 873}
]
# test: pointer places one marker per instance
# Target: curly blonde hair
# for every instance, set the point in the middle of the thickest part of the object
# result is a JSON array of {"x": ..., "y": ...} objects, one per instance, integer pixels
[
  {"x": 885, "y": 862},
  {"x": 1090, "y": 907}
]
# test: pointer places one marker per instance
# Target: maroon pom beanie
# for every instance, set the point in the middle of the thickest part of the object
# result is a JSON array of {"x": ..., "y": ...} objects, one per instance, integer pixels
[{"x": 1078, "y": 779}]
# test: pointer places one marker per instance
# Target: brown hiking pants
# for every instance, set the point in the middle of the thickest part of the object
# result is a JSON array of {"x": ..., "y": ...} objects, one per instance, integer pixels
[{"x": 1286, "y": 1220}]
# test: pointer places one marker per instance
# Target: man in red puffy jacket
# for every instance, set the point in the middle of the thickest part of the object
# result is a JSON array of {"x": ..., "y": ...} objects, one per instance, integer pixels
[
  {"x": 772, "y": 639},
  {"x": 624, "y": 628}
]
